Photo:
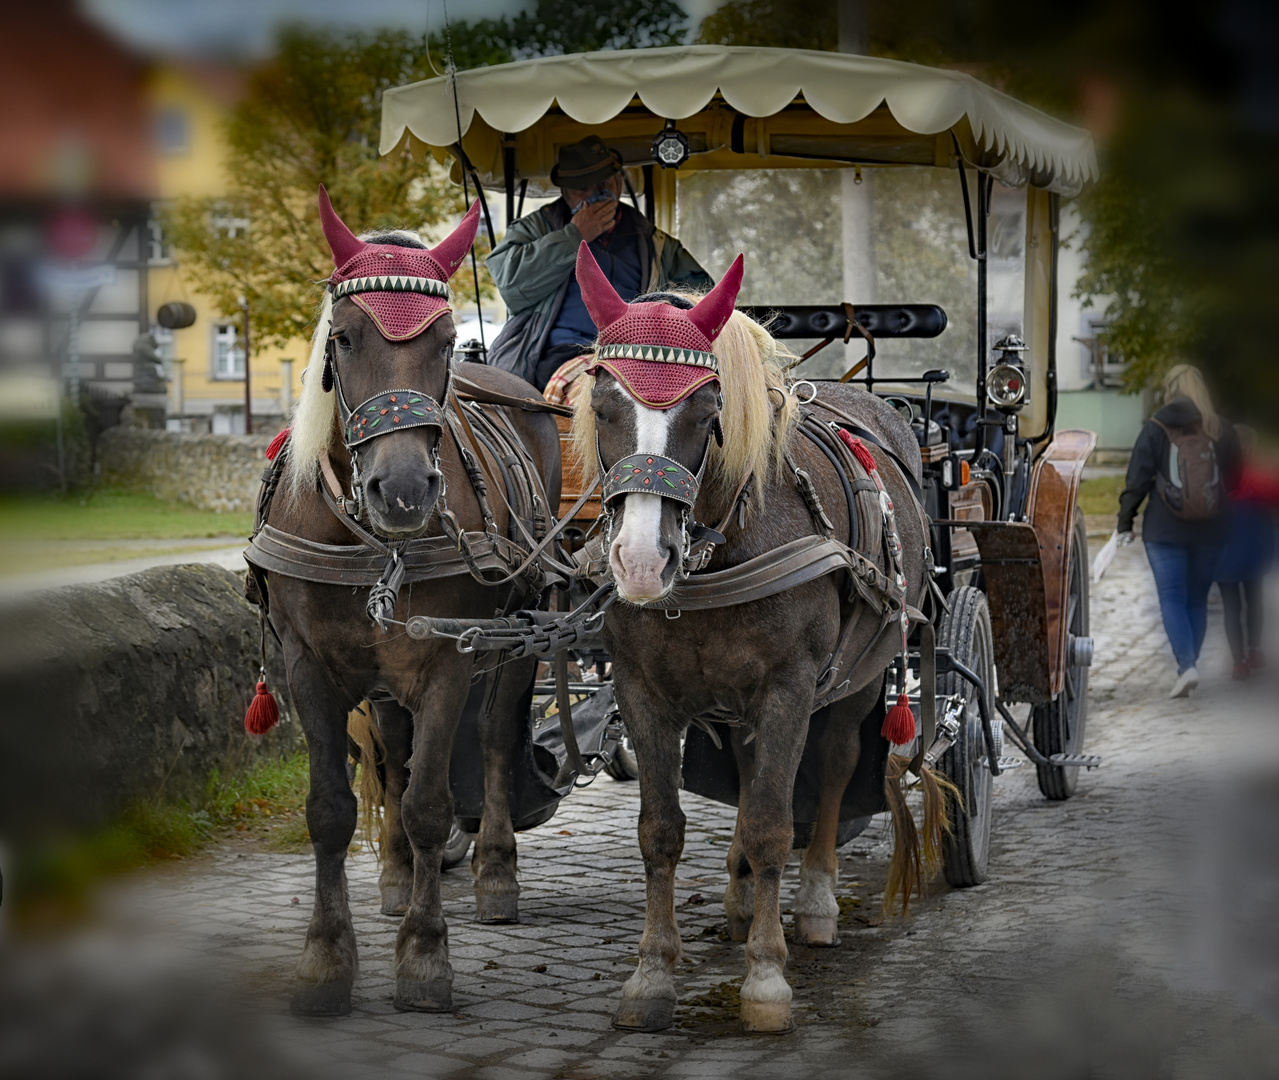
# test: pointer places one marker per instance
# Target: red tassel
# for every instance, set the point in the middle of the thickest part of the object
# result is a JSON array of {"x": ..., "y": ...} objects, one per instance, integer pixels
[
  {"x": 277, "y": 444},
  {"x": 899, "y": 724},
  {"x": 263, "y": 712},
  {"x": 859, "y": 449}
]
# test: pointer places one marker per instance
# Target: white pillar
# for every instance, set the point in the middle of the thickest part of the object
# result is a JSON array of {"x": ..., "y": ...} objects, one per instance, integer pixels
[
  {"x": 286, "y": 388},
  {"x": 861, "y": 276},
  {"x": 177, "y": 368}
]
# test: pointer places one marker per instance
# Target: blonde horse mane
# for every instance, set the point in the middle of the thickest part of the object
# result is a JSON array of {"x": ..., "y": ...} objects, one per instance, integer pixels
[
  {"x": 314, "y": 423},
  {"x": 758, "y": 411}
]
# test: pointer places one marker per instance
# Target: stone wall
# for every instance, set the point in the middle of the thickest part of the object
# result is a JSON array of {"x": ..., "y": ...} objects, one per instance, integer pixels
[
  {"x": 213, "y": 472},
  {"x": 132, "y": 689}
]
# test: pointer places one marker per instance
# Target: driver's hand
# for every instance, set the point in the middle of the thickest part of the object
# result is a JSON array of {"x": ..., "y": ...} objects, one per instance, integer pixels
[
  {"x": 1125, "y": 538},
  {"x": 595, "y": 219}
]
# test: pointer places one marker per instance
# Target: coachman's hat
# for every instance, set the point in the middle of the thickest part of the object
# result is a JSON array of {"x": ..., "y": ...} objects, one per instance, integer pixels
[
  {"x": 584, "y": 164},
  {"x": 402, "y": 289},
  {"x": 659, "y": 353}
]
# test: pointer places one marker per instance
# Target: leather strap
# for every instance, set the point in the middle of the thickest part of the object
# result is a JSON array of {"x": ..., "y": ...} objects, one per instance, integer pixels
[
  {"x": 425, "y": 558},
  {"x": 470, "y": 391}
]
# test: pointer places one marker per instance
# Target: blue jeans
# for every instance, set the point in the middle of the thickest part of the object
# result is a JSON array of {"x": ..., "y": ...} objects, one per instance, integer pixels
[{"x": 1183, "y": 575}]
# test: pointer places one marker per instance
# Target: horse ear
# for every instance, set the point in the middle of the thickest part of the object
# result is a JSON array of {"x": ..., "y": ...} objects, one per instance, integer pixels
[
  {"x": 453, "y": 249},
  {"x": 599, "y": 296},
  {"x": 342, "y": 241},
  {"x": 713, "y": 310}
]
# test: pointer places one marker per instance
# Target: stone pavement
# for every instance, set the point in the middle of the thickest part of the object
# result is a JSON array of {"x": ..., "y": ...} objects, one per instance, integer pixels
[{"x": 1128, "y": 930}]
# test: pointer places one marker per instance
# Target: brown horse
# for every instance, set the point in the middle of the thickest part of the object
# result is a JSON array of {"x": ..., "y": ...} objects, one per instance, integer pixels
[
  {"x": 371, "y": 344},
  {"x": 759, "y": 662}
]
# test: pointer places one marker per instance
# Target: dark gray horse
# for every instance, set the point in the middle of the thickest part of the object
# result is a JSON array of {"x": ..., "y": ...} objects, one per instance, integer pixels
[
  {"x": 371, "y": 345},
  {"x": 757, "y": 662}
]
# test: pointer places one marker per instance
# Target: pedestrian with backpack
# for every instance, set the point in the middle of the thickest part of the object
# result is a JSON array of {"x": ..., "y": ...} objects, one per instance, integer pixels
[{"x": 1184, "y": 461}]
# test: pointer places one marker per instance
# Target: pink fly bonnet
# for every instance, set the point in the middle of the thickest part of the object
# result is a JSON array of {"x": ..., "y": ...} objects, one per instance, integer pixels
[
  {"x": 403, "y": 290},
  {"x": 659, "y": 353}
]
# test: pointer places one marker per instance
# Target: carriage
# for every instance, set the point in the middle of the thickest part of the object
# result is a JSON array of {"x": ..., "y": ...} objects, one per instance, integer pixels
[{"x": 702, "y": 127}]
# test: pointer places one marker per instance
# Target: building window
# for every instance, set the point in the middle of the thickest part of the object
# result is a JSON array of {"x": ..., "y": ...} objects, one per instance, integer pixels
[
  {"x": 158, "y": 253},
  {"x": 172, "y": 132},
  {"x": 1103, "y": 366},
  {"x": 228, "y": 351},
  {"x": 229, "y": 227},
  {"x": 229, "y": 421}
]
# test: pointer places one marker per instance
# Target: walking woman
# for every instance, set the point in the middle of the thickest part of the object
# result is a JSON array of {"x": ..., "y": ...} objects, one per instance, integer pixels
[{"x": 1184, "y": 460}]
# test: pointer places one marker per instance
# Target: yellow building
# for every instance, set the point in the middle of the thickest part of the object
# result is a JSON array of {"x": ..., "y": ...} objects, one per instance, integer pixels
[{"x": 190, "y": 100}]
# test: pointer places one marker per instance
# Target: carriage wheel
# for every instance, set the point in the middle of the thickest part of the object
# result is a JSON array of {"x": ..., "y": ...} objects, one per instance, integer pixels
[
  {"x": 456, "y": 846},
  {"x": 965, "y": 631},
  {"x": 1058, "y": 727},
  {"x": 623, "y": 766}
]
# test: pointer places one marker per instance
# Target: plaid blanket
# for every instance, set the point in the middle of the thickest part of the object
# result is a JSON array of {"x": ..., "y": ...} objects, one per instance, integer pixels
[{"x": 557, "y": 389}]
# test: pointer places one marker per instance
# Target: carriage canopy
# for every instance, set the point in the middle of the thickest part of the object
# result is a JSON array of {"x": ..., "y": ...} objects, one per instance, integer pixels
[{"x": 786, "y": 108}]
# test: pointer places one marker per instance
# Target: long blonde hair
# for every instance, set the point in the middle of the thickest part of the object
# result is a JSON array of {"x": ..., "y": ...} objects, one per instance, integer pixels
[
  {"x": 1186, "y": 381},
  {"x": 757, "y": 416}
]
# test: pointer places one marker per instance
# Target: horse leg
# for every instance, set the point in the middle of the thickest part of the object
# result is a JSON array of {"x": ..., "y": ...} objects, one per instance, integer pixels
[
  {"x": 648, "y": 997},
  {"x": 816, "y": 909},
  {"x": 739, "y": 897},
  {"x": 505, "y": 713},
  {"x": 767, "y": 836},
  {"x": 423, "y": 975},
  {"x": 395, "y": 883},
  {"x": 328, "y": 964}
]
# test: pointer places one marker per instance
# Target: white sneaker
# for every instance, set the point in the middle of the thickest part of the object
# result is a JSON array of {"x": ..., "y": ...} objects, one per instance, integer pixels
[{"x": 1186, "y": 682}]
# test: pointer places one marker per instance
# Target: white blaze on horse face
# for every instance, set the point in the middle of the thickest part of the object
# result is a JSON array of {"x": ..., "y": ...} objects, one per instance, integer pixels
[{"x": 638, "y": 555}]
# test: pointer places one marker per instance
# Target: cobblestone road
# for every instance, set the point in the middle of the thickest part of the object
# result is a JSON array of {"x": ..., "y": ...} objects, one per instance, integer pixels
[{"x": 1129, "y": 926}]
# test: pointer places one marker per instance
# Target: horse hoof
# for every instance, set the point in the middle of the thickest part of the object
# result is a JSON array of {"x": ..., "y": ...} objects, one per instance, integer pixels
[
  {"x": 739, "y": 929},
  {"x": 497, "y": 908},
  {"x": 818, "y": 931},
  {"x": 321, "y": 999},
  {"x": 644, "y": 1014},
  {"x": 413, "y": 995},
  {"x": 395, "y": 899},
  {"x": 766, "y": 1017}
]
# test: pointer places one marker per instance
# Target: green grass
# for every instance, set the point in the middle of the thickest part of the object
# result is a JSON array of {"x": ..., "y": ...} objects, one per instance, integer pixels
[
  {"x": 52, "y": 881},
  {"x": 1100, "y": 495},
  {"x": 108, "y": 514}
]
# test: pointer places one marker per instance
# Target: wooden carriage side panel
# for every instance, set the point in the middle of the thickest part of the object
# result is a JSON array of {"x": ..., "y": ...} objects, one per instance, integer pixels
[
  {"x": 1014, "y": 575},
  {"x": 1054, "y": 494},
  {"x": 573, "y": 484},
  {"x": 972, "y": 502}
]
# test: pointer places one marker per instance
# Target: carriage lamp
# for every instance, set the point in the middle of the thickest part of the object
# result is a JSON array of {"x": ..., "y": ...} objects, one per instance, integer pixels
[
  {"x": 670, "y": 147},
  {"x": 1007, "y": 387}
]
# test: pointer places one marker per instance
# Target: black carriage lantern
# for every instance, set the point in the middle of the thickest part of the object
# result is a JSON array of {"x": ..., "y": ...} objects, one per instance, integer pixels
[
  {"x": 1007, "y": 387},
  {"x": 670, "y": 147}
]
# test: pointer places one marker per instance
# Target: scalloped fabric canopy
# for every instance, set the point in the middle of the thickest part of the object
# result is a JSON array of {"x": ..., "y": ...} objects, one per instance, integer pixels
[{"x": 675, "y": 83}]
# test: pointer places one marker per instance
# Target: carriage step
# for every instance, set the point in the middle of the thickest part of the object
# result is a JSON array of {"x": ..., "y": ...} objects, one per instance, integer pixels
[
  {"x": 1086, "y": 761},
  {"x": 1005, "y": 763}
]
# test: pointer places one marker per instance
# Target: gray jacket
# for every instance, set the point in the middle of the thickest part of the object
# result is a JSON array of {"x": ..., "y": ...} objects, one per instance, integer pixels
[{"x": 532, "y": 267}]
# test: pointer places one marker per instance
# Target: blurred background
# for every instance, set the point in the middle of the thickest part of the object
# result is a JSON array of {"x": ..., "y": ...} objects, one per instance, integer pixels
[{"x": 159, "y": 267}]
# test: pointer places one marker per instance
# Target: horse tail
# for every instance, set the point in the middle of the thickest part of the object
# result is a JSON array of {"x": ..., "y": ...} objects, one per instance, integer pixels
[
  {"x": 905, "y": 868},
  {"x": 915, "y": 860},
  {"x": 939, "y": 796},
  {"x": 362, "y": 730}
]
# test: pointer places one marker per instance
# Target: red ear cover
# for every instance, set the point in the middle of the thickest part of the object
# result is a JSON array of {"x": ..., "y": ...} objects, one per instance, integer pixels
[
  {"x": 599, "y": 296},
  {"x": 344, "y": 244},
  {"x": 453, "y": 249},
  {"x": 712, "y": 311}
]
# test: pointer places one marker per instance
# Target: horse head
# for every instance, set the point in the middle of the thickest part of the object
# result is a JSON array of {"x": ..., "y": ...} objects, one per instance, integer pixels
[
  {"x": 656, "y": 403},
  {"x": 389, "y": 358}
]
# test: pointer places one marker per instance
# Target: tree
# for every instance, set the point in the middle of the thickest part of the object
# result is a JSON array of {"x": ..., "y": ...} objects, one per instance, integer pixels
[{"x": 311, "y": 116}]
